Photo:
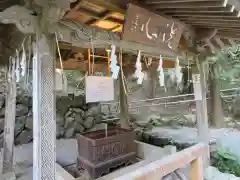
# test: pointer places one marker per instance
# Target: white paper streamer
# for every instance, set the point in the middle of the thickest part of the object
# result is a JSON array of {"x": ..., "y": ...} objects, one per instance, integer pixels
[
  {"x": 161, "y": 73},
  {"x": 23, "y": 64},
  {"x": 178, "y": 72},
  {"x": 138, "y": 73},
  {"x": 113, "y": 58},
  {"x": 17, "y": 71}
]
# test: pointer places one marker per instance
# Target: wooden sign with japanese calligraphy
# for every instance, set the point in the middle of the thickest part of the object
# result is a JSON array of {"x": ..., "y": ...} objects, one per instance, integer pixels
[{"x": 145, "y": 27}]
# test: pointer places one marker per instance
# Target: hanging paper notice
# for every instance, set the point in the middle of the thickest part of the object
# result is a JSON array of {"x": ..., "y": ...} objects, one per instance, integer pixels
[
  {"x": 197, "y": 87},
  {"x": 196, "y": 78},
  {"x": 99, "y": 89}
]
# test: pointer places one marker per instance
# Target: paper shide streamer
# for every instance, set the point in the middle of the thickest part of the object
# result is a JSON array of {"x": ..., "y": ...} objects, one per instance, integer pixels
[
  {"x": 113, "y": 66},
  {"x": 161, "y": 73},
  {"x": 178, "y": 72},
  {"x": 138, "y": 73}
]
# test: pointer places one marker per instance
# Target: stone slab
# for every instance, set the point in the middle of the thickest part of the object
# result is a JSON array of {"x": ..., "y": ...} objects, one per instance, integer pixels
[
  {"x": 8, "y": 176},
  {"x": 186, "y": 135}
]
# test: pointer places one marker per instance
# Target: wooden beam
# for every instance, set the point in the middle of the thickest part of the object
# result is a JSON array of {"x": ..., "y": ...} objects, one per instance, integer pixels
[
  {"x": 104, "y": 16},
  {"x": 216, "y": 24},
  {"x": 64, "y": 46},
  {"x": 104, "y": 39},
  {"x": 232, "y": 42},
  {"x": 160, "y": 168},
  {"x": 109, "y": 6},
  {"x": 117, "y": 28},
  {"x": 232, "y": 35},
  {"x": 196, "y": 171},
  {"x": 211, "y": 46},
  {"x": 194, "y": 11},
  {"x": 204, "y": 15},
  {"x": 187, "y": 5},
  {"x": 203, "y": 34},
  {"x": 172, "y": 1},
  {"x": 219, "y": 42},
  {"x": 76, "y": 7}
]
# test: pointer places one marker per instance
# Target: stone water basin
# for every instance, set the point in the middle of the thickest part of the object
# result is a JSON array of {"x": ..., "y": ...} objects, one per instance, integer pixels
[{"x": 102, "y": 151}]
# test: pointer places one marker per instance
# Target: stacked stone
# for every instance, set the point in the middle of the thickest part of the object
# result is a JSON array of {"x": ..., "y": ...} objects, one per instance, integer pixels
[{"x": 73, "y": 116}]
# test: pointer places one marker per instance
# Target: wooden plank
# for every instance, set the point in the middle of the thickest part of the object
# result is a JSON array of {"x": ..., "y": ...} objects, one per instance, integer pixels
[
  {"x": 104, "y": 16},
  {"x": 148, "y": 153},
  {"x": 9, "y": 124},
  {"x": 204, "y": 15},
  {"x": 187, "y": 5},
  {"x": 105, "y": 38},
  {"x": 195, "y": 11},
  {"x": 172, "y": 1},
  {"x": 201, "y": 108},
  {"x": 108, "y": 5},
  {"x": 159, "y": 168},
  {"x": 145, "y": 27},
  {"x": 196, "y": 172},
  {"x": 210, "y": 19},
  {"x": 217, "y": 24}
]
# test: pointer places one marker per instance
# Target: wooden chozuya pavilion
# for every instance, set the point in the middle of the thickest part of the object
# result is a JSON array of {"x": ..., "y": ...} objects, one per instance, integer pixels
[{"x": 172, "y": 28}]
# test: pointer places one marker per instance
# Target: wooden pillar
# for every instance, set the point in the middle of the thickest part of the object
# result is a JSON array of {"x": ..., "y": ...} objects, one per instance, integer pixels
[
  {"x": 124, "y": 116},
  {"x": 9, "y": 124},
  {"x": 217, "y": 116},
  {"x": 200, "y": 89},
  {"x": 44, "y": 108}
]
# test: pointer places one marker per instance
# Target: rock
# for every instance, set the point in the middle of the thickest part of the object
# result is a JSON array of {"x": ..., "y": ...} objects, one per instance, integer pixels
[
  {"x": 191, "y": 118},
  {"x": 228, "y": 144},
  {"x": 68, "y": 121},
  {"x": 19, "y": 125},
  {"x": 98, "y": 127},
  {"x": 213, "y": 173},
  {"x": 88, "y": 123},
  {"x": 69, "y": 132},
  {"x": 66, "y": 152},
  {"x": 21, "y": 110},
  {"x": 25, "y": 137},
  {"x": 8, "y": 176},
  {"x": 78, "y": 101},
  {"x": 78, "y": 110},
  {"x": 59, "y": 131},
  {"x": 93, "y": 111},
  {"x": 236, "y": 107},
  {"x": 1, "y": 124},
  {"x": 67, "y": 114},
  {"x": 2, "y": 112},
  {"x": 29, "y": 122},
  {"x": 60, "y": 120},
  {"x": 79, "y": 118},
  {"x": 2, "y": 100},
  {"x": 1, "y": 140},
  {"x": 78, "y": 127}
]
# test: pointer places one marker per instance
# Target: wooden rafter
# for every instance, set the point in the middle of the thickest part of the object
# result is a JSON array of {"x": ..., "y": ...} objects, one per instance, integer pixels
[
  {"x": 194, "y": 11},
  {"x": 104, "y": 16},
  {"x": 108, "y": 5},
  {"x": 187, "y": 5}
]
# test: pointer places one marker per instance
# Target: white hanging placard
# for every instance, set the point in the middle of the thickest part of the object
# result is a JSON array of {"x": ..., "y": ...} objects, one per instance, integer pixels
[
  {"x": 196, "y": 78},
  {"x": 60, "y": 81},
  {"x": 99, "y": 89},
  {"x": 197, "y": 87}
]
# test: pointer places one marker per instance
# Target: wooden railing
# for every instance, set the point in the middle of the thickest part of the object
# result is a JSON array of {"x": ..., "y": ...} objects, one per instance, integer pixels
[{"x": 160, "y": 168}]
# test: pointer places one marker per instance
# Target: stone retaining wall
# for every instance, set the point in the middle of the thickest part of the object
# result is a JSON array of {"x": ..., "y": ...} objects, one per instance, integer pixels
[{"x": 73, "y": 116}]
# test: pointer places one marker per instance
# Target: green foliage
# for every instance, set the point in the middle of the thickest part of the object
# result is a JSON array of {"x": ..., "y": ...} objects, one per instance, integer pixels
[
  {"x": 227, "y": 65},
  {"x": 226, "y": 162}
]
